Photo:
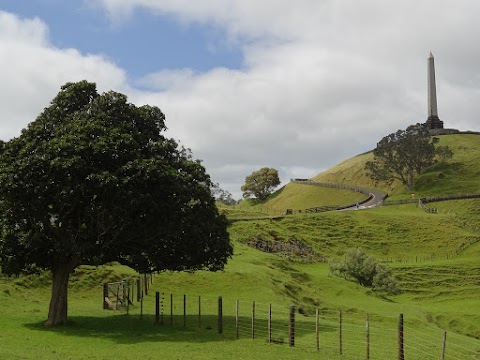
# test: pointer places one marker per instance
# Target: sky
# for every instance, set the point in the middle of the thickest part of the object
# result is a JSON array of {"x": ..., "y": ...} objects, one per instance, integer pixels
[{"x": 295, "y": 85}]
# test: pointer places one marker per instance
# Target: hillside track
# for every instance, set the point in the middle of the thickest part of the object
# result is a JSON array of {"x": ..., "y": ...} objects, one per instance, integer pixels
[{"x": 374, "y": 198}]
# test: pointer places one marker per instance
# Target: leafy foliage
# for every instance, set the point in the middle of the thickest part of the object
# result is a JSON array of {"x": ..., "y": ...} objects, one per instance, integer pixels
[
  {"x": 223, "y": 196},
  {"x": 384, "y": 280},
  {"x": 366, "y": 271},
  {"x": 93, "y": 180},
  {"x": 402, "y": 155},
  {"x": 260, "y": 184},
  {"x": 443, "y": 153}
]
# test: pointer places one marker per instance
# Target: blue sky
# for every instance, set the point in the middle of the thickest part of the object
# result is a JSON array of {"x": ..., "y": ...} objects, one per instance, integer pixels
[
  {"x": 295, "y": 85},
  {"x": 142, "y": 44}
]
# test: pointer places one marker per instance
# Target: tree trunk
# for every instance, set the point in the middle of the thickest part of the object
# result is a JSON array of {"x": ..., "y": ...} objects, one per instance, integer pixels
[
  {"x": 410, "y": 180},
  {"x": 57, "y": 313}
]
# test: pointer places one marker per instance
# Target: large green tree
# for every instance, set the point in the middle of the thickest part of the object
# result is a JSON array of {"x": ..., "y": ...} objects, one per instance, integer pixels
[
  {"x": 93, "y": 180},
  {"x": 402, "y": 156},
  {"x": 261, "y": 183}
]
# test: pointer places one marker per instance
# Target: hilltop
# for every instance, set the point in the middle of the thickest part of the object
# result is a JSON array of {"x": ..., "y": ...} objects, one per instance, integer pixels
[{"x": 458, "y": 175}]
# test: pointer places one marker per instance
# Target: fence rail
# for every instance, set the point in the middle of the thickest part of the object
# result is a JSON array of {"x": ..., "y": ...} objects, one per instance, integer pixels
[{"x": 426, "y": 208}]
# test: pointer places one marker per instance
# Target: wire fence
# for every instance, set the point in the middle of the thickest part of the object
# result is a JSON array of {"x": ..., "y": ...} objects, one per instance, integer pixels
[
  {"x": 367, "y": 192},
  {"x": 329, "y": 333},
  {"x": 429, "y": 199},
  {"x": 333, "y": 186}
]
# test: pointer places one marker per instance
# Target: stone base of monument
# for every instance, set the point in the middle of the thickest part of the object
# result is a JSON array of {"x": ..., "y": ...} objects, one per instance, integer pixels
[
  {"x": 433, "y": 122},
  {"x": 446, "y": 132}
]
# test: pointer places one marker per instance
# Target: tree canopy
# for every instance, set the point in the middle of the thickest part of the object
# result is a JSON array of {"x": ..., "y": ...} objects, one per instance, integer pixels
[
  {"x": 93, "y": 180},
  {"x": 402, "y": 156},
  {"x": 261, "y": 183},
  {"x": 223, "y": 196}
]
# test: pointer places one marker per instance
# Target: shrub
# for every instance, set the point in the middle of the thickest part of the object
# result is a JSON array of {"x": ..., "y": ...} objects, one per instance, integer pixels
[
  {"x": 384, "y": 280},
  {"x": 365, "y": 270}
]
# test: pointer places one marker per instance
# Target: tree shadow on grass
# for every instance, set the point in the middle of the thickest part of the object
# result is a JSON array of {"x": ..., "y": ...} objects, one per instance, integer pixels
[{"x": 131, "y": 329}]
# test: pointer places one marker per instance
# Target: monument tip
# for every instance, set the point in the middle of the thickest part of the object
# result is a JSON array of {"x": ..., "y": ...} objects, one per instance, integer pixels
[{"x": 431, "y": 55}]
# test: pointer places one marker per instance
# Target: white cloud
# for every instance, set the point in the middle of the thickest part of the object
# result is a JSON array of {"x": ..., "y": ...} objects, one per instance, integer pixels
[{"x": 32, "y": 71}]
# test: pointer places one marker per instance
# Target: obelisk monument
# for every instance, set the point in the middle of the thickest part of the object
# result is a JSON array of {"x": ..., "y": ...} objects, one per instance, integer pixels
[{"x": 433, "y": 122}]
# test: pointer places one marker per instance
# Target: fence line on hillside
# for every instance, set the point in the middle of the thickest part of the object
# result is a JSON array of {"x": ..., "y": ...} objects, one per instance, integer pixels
[
  {"x": 419, "y": 258},
  {"x": 327, "y": 332},
  {"x": 359, "y": 189},
  {"x": 426, "y": 208},
  {"x": 326, "y": 208},
  {"x": 429, "y": 199}
]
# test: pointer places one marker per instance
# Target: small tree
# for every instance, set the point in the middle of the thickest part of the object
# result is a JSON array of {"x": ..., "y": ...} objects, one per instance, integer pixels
[
  {"x": 443, "y": 153},
  {"x": 365, "y": 270},
  {"x": 402, "y": 155},
  {"x": 260, "y": 184},
  {"x": 93, "y": 180},
  {"x": 223, "y": 196}
]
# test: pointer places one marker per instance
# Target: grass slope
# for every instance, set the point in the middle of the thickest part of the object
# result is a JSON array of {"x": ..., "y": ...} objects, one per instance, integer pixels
[
  {"x": 293, "y": 196},
  {"x": 458, "y": 175},
  {"x": 437, "y": 294},
  {"x": 301, "y": 196}
]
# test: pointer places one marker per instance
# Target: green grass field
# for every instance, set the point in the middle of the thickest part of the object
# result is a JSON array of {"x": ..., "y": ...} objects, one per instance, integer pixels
[
  {"x": 436, "y": 258},
  {"x": 438, "y": 295}
]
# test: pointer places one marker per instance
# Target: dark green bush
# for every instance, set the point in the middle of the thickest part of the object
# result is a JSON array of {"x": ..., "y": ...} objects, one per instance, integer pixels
[{"x": 357, "y": 265}]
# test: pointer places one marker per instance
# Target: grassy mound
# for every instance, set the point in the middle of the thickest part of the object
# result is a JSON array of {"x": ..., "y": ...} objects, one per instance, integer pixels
[
  {"x": 296, "y": 197},
  {"x": 457, "y": 175}
]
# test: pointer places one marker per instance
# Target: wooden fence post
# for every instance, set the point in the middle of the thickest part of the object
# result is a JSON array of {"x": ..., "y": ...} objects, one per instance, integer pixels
[
  {"x": 401, "y": 355},
  {"x": 291, "y": 326},
  {"x": 237, "y": 319},
  {"x": 220, "y": 315},
  {"x": 171, "y": 309},
  {"x": 270, "y": 323},
  {"x": 199, "y": 312},
  {"x": 184, "y": 310},
  {"x": 444, "y": 345},
  {"x": 341, "y": 332},
  {"x": 157, "y": 307},
  {"x": 117, "y": 296},
  {"x": 162, "y": 307},
  {"x": 317, "y": 329},
  {"x": 128, "y": 297},
  {"x": 253, "y": 320},
  {"x": 367, "y": 355},
  {"x": 105, "y": 296}
]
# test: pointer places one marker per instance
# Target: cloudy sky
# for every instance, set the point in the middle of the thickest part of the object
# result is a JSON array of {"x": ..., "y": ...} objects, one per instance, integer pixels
[{"x": 295, "y": 85}]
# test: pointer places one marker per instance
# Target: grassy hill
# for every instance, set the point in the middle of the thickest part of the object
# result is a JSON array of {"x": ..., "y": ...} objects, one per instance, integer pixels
[
  {"x": 457, "y": 175},
  {"x": 436, "y": 258},
  {"x": 293, "y": 196}
]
